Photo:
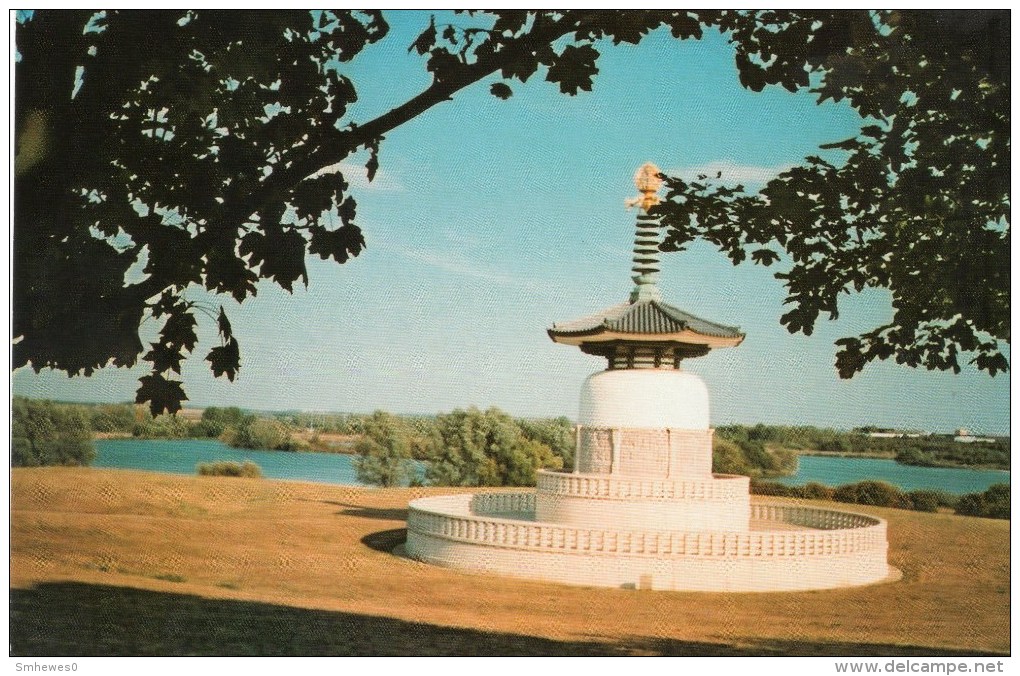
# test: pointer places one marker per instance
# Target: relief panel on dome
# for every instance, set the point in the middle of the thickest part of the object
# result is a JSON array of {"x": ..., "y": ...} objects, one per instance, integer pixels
[
  {"x": 644, "y": 452},
  {"x": 596, "y": 452},
  {"x": 692, "y": 452}
]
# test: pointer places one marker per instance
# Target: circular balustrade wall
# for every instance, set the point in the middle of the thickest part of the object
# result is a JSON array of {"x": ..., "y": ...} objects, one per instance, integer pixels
[{"x": 785, "y": 548}]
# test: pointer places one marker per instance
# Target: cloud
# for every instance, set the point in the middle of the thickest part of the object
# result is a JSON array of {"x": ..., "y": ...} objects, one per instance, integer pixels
[
  {"x": 459, "y": 265},
  {"x": 750, "y": 176},
  {"x": 357, "y": 176}
]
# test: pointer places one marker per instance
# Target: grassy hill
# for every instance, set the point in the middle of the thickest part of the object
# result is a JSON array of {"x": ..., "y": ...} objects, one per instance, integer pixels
[{"x": 112, "y": 562}]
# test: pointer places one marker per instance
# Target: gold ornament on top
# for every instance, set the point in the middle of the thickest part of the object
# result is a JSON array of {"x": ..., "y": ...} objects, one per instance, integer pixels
[{"x": 648, "y": 184}]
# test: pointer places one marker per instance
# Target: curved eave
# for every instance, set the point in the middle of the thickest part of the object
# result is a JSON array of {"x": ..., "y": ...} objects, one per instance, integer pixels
[{"x": 687, "y": 337}]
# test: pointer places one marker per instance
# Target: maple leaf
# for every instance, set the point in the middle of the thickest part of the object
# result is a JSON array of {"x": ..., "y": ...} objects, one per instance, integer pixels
[
  {"x": 574, "y": 69},
  {"x": 501, "y": 90},
  {"x": 225, "y": 359},
  {"x": 340, "y": 244},
  {"x": 162, "y": 394}
]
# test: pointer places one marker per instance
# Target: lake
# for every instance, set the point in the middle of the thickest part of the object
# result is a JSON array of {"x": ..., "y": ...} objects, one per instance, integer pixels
[
  {"x": 180, "y": 456},
  {"x": 833, "y": 471}
]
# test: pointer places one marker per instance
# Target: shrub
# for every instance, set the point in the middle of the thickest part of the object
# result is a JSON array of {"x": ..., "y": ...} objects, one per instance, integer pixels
[
  {"x": 878, "y": 493},
  {"x": 727, "y": 458},
  {"x": 992, "y": 504},
  {"x": 475, "y": 448},
  {"x": 215, "y": 421},
  {"x": 227, "y": 468},
  {"x": 163, "y": 426},
  {"x": 927, "y": 500},
  {"x": 774, "y": 489},
  {"x": 816, "y": 491},
  {"x": 384, "y": 454},
  {"x": 556, "y": 433},
  {"x": 260, "y": 433},
  {"x": 44, "y": 433},
  {"x": 112, "y": 418}
]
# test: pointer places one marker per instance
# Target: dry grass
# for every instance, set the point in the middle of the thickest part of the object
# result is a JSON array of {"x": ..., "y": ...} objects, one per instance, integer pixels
[{"x": 118, "y": 562}]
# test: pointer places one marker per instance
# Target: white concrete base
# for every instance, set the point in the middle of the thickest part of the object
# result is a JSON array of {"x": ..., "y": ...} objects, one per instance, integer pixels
[
  {"x": 789, "y": 548},
  {"x": 684, "y": 574},
  {"x": 719, "y": 503}
]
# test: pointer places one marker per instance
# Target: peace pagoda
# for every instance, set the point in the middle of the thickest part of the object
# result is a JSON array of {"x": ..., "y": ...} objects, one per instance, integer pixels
[{"x": 641, "y": 507}]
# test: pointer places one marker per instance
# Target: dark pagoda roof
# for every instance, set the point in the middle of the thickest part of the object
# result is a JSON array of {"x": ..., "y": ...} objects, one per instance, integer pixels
[
  {"x": 646, "y": 321},
  {"x": 645, "y": 332}
]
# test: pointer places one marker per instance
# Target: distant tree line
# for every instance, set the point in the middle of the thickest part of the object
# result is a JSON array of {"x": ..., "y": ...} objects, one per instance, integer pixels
[
  {"x": 992, "y": 503},
  {"x": 944, "y": 452},
  {"x": 465, "y": 447},
  {"x": 926, "y": 451}
]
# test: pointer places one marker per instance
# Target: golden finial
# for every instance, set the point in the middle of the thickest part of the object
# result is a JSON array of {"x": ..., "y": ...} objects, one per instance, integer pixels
[{"x": 648, "y": 183}]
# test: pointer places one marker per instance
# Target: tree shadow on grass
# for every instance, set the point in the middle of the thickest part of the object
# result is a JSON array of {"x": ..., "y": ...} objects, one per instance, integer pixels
[
  {"x": 392, "y": 514},
  {"x": 385, "y": 540},
  {"x": 70, "y": 618}
]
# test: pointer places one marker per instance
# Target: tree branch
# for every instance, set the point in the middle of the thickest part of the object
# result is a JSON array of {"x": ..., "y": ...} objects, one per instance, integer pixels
[{"x": 275, "y": 186}]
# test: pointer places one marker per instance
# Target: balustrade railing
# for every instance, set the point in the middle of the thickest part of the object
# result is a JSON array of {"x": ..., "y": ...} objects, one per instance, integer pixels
[
  {"x": 721, "y": 487},
  {"x": 836, "y": 532},
  {"x": 491, "y": 504}
]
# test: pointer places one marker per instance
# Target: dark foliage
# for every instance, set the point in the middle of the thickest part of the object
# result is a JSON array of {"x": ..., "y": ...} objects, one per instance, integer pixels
[
  {"x": 384, "y": 452},
  {"x": 44, "y": 433},
  {"x": 993, "y": 503},
  {"x": 195, "y": 149},
  {"x": 476, "y": 448},
  {"x": 917, "y": 203}
]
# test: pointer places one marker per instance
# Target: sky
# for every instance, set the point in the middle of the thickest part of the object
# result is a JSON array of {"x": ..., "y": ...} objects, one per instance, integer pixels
[{"x": 489, "y": 220}]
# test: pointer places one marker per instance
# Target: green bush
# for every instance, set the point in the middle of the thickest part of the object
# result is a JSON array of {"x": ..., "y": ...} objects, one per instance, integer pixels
[
  {"x": 475, "y": 448},
  {"x": 927, "y": 500},
  {"x": 262, "y": 434},
  {"x": 556, "y": 433},
  {"x": 215, "y": 421},
  {"x": 881, "y": 494},
  {"x": 877, "y": 493},
  {"x": 727, "y": 458},
  {"x": 384, "y": 453},
  {"x": 162, "y": 427},
  {"x": 227, "y": 468},
  {"x": 774, "y": 489},
  {"x": 992, "y": 504},
  {"x": 112, "y": 418},
  {"x": 44, "y": 433},
  {"x": 816, "y": 491}
]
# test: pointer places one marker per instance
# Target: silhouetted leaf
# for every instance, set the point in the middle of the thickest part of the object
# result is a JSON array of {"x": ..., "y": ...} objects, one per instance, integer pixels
[
  {"x": 501, "y": 90},
  {"x": 339, "y": 244},
  {"x": 225, "y": 359},
  {"x": 850, "y": 360},
  {"x": 574, "y": 69},
  {"x": 279, "y": 253},
  {"x": 224, "y": 325},
  {"x": 180, "y": 328},
  {"x": 372, "y": 165},
  {"x": 765, "y": 257},
  {"x": 162, "y": 395},
  {"x": 442, "y": 63}
]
